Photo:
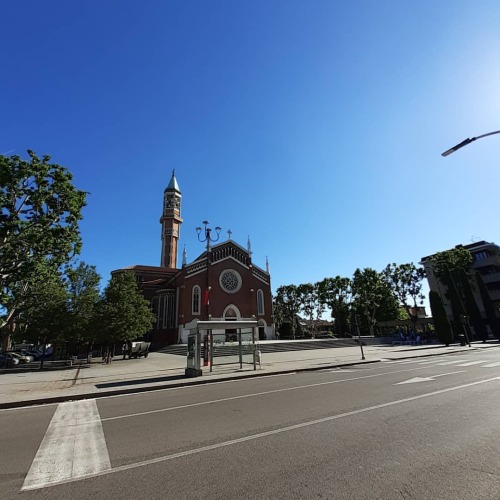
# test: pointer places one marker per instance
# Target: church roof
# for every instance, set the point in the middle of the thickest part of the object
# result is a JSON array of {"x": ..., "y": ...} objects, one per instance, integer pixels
[
  {"x": 228, "y": 249},
  {"x": 150, "y": 275},
  {"x": 223, "y": 244},
  {"x": 156, "y": 269}
]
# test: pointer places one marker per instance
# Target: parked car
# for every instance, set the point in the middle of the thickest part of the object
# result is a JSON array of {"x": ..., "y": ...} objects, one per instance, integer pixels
[
  {"x": 22, "y": 359},
  {"x": 7, "y": 360},
  {"x": 136, "y": 349},
  {"x": 24, "y": 354},
  {"x": 33, "y": 353}
]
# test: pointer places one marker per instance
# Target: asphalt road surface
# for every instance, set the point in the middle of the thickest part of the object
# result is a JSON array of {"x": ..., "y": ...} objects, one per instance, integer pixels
[{"x": 426, "y": 428}]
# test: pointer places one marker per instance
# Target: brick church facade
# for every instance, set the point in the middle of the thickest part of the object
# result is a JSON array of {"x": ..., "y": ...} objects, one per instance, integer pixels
[{"x": 221, "y": 283}]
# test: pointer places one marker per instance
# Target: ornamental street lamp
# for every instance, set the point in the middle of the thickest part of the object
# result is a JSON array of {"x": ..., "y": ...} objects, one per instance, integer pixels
[
  {"x": 467, "y": 141},
  {"x": 208, "y": 238}
]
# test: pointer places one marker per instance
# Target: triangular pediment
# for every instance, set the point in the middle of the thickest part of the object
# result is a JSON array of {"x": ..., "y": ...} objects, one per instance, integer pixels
[{"x": 226, "y": 249}]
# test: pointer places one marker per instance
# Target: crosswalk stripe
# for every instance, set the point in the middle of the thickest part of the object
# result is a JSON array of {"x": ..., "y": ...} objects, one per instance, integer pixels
[
  {"x": 491, "y": 365},
  {"x": 73, "y": 446}
]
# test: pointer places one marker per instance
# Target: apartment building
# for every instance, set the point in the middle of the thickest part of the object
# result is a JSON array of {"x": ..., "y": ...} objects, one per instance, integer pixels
[{"x": 486, "y": 262}]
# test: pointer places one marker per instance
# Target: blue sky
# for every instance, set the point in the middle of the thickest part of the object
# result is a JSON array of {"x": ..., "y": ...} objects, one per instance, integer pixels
[{"x": 315, "y": 127}]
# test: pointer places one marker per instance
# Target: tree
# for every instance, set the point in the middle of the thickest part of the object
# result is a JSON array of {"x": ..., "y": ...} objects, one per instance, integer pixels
[
  {"x": 278, "y": 313},
  {"x": 406, "y": 283},
  {"x": 84, "y": 294},
  {"x": 123, "y": 313},
  {"x": 335, "y": 293},
  {"x": 45, "y": 318},
  {"x": 441, "y": 323},
  {"x": 489, "y": 309},
  {"x": 310, "y": 304},
  {"x": 373, "y": 297},
  {"x": 449, "y": 261},
  {"x": 473, "y": 317},
  {"x": 288, "y": 301},
  {"x": 39, "y": 213},
  {"x": 448, "y": 267}
]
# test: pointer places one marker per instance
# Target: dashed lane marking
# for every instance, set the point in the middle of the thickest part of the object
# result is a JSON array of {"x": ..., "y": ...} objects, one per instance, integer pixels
[{"x": 471, "y": 363}]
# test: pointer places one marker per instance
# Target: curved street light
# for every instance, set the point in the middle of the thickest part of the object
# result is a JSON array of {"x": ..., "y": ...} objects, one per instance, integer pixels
[
  {"x": 208, "y": 238},
  {"x": 467, "y": 141}
]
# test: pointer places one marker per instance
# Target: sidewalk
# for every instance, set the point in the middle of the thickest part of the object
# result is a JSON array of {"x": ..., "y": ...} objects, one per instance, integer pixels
[{"x": 166, "y": 371}]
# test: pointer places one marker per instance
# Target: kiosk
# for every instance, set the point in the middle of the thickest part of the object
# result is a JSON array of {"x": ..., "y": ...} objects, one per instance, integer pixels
[{"x": 224, "y": 342}]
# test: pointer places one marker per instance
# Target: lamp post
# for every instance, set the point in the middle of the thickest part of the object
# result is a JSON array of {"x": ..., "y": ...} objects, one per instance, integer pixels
[
  {"x": 208, "y": 238},
  {"x": 467, "y": 141}
]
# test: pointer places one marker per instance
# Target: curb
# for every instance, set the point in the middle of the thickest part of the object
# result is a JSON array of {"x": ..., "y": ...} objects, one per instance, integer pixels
[
  {"x": 201, "y": 381},
  {"x": 135, "y": 390},
  {"x": 460, "y": 349}
]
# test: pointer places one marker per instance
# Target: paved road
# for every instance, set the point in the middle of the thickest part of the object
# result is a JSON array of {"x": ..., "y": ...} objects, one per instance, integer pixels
[{"x": 416, "y": 429}]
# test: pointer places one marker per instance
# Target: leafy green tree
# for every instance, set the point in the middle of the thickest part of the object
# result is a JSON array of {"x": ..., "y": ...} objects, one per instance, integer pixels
[
  {"x": 288, "y": 301},
  {"x": 279, "y": 313},
  {"x": 335, "y": 293},
  {"x": 45, "y": 317},
  {"x": 441, "y": 324},
  {"x": 40, "y": 209},
  {"x": 84, "y": 295},
  {"x": 451, "y": 261},
  {"x": 473, "y": 317},
  {"x": 403, "y": 314},
  {"x": 123, "y": 313},
  {"x": 310, "y": 304},
  {"x": 406, "y": 283},
  {"x": 373, "y": 297},
  {"x": 491, "y": 317},
  {"x": 449, "y": 267}
]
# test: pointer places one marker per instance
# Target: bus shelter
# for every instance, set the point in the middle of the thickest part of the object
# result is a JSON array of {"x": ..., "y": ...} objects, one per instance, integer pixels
[{"x": 221, "y": 342}]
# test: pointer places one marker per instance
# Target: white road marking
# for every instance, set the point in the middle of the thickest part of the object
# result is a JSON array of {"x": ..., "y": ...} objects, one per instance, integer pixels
[
  {"x": 274, "y": 432},
  {"x": 491, "y": 365},
  {"x": 454, "y": 362},
  {"x": 73, "y": 446},
  {"x": 470, "y": 363},
  {"x": 254, "y": 394},
  {"x": 410, "y": 361},
  {"x": 427, "y": 379},
  {"x": 337, "y": 370}
]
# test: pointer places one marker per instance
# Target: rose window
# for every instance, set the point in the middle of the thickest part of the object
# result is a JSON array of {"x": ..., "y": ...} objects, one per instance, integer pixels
[{"x": 230, "y": 281}]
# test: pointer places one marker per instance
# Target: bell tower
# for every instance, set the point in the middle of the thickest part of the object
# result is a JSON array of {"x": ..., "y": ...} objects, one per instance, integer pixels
[{"x": 170, "y": 224}]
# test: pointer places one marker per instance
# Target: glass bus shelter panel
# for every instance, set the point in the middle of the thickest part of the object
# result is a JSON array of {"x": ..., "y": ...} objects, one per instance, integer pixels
[{"x": 232, "y": 347}]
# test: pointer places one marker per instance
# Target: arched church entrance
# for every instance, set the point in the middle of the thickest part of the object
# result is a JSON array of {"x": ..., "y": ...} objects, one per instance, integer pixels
[{"x": 231, "y": 313}]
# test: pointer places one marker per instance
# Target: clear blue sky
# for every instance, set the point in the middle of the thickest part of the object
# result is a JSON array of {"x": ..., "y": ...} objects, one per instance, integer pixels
[{"x": 315, "y": 127}]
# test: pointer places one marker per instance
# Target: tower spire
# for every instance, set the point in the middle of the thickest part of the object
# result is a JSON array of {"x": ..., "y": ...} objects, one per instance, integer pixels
[
  {"x": 170, "y": 221},
  {"x": 184, "y": 256}
]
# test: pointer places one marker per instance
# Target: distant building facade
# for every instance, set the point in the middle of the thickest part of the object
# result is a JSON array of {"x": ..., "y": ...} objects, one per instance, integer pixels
[
  {"x": 484, "y": 266},
  {"x": 221, "y": 283}
]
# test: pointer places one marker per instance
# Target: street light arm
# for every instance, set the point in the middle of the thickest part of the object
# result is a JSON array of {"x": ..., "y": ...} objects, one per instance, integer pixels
[{"x": 467, "y": 141}]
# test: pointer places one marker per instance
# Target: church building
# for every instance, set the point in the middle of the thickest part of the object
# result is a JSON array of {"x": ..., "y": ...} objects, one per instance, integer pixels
[{"x": 221, "y": 283}]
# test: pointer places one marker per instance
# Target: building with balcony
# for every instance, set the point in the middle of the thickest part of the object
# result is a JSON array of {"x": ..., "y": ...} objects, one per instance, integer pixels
[{"x": 485, "y": 266}]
